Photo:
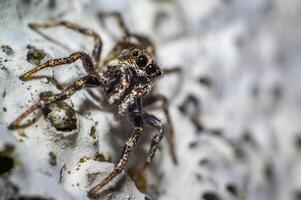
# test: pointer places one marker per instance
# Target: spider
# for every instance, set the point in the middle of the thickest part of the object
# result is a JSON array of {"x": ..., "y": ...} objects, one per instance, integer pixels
[{"x": 126, "y": 79}]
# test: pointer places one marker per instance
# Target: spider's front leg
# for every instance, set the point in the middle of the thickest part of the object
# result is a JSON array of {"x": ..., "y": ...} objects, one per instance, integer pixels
[
  {"x": 136, "y": 119},
  {"x": 87, "y": 63},
  {"x": 87, "y": 81}
]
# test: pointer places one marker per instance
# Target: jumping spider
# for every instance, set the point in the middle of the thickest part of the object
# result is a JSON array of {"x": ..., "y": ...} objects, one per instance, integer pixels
[{"x": 126, "y": 78}]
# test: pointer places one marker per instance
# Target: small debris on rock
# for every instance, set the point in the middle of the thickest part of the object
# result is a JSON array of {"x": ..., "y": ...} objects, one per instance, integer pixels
[
  {"x": 34, "y": 56},
  {"x": 52, "y": 159},
  {"x": 7, "y": 50}
]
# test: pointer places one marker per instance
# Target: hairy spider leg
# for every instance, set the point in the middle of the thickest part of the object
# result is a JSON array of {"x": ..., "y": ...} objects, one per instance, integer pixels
[
  {"x": 88, "y": 32},
  {"x": 146, "y": 43},
  {"x": 155, "y": 122},
  {"x": 87, "y": 63},
  {"x": 152, "y": 99},
  {"x": 84, "y": 82},
  {"x": 136, "y": 119}
]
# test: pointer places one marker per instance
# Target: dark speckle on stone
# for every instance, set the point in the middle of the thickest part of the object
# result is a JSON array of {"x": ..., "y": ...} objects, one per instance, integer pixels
[
  {"x": 4, "y": 94},
  {"x": 6, "y": 159},
  {"x": 216, "y": 132},
  {"x": 93, "y": 132},
  {"x": 91, "y": 177},
  {"x": 277, "y": 92},
  {"x": 246, "y": 136},
  {"x": 51, "y": 4},
  {"x": 255, "y": 91},
  {"x": 52, "y": 159},
  {"x": 232, "y": 189},
  {"x": 210, "y": 195},
  {"x": 4, "y": 69},
  {"x": 268, "y": 171},
  {"x": 239, "y": 151},
  {"x": 7, "y": 50},
  {"x": 205, "y": 81},
  {"x": 298, "y": 141},
  {"x": 191, "y": 108},
  {"x": 6, "y": 163},
  {"x": 198, "y": 176},
  {"x": 204, "y": 161},
  {"x": 147, "y": 198},
  {"x": 193, "y": 144}
]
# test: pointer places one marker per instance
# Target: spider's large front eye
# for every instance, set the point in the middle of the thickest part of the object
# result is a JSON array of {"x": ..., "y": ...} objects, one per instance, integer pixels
[
  {"x": 141, "y": 61},
  {"x": 151, "y": 69}
]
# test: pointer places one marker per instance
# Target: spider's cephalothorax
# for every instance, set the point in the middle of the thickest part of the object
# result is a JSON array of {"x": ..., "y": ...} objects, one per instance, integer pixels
[
  {"x": 126, "y": 78},
  {"x": 131, "y": 74}
]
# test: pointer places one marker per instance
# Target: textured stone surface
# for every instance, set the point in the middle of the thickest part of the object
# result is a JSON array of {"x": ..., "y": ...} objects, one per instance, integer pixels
[{"x": 236, "y": 109}]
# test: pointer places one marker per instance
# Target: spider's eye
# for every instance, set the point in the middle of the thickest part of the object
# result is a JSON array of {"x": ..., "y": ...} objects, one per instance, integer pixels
[
  {"x": 141, "y": 61},
  {"x": 151, "y": 69},
  {"x": 135, "y": 53}
]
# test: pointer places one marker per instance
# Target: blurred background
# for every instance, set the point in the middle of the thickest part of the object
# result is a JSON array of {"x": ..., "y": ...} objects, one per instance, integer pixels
[{"x": 236, "y": 107}]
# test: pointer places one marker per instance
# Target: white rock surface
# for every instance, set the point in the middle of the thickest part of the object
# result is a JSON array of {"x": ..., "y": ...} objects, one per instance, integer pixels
[{"x": 249, "y": 147}]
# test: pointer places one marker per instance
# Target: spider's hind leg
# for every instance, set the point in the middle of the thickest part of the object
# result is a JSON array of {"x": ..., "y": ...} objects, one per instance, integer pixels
[
  {"x": 152, "y": 99},
  {"x": 155, "y": 122},
  {"x": 119, "y": 19}
]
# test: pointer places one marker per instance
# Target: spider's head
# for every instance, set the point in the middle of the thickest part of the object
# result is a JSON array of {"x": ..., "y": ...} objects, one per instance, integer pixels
[{"x": 144, "y": 64}]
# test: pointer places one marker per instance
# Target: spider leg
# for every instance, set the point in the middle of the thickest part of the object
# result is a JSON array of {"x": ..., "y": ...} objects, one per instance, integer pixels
[
  {"x": 128, "y": 36},
  {"x": 152, "y": 99},
  {"x": 87, "y": 81},
  {"x": 87, "y": 63},
  {"x": 119, "y": 19},
  {"x": 84, "y": 82},
  {"x": 136, "y": 120},
  {"x": 155, "y": 122},
  {"x": 97, "y": 39}
]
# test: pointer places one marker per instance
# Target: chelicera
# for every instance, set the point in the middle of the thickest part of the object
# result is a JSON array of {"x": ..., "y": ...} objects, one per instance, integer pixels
[{"x": 126, "y": 79}]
